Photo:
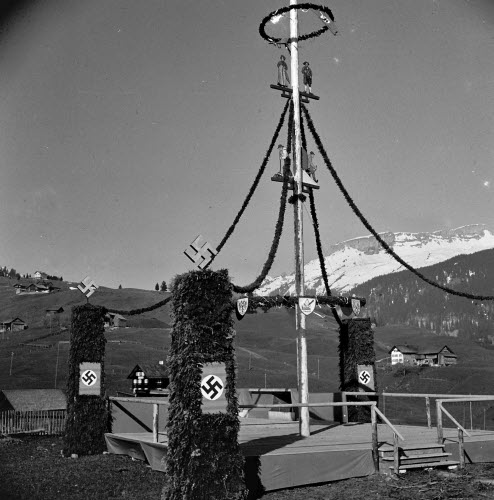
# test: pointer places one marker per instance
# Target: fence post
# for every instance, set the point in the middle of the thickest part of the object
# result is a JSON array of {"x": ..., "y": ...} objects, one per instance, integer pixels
[
  {"x": 375, "y": 451},
  {"x": 344, "y": 408},
  {"x": 396, "y": 453},
  {"x": 155, "y": 422},
  {"x": 428, "y": 409},
  {"x": 461, "y": 448},
  {"x": 439, "y": 418}
]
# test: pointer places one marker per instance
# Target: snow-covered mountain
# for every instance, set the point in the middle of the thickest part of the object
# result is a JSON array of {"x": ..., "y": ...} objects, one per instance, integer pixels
[{"x": 358, "y": 260}]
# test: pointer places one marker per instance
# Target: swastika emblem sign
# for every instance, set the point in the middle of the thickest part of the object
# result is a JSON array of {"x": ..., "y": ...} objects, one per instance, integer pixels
[
  {"x": 212, "y": 387},
  {"x": 90, "y": 379},
  {"x": 366, "y": 376},
  {"x": 213, "y": 382}
]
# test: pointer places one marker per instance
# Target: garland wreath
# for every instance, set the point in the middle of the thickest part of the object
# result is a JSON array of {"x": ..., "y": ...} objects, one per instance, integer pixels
[
  {"x": 325, "y": 13},
  {"x": 368, "y": 226},
  {"x": 279, "y": 224},
  {"x": 268, "y": 302}
]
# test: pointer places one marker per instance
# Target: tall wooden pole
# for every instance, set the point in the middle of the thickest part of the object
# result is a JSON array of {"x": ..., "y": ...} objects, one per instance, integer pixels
[{"x": 303, "y": 378}]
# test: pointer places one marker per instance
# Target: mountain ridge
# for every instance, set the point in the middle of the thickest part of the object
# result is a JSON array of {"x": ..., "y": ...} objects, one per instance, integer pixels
[{"x": 355, "y": 261}]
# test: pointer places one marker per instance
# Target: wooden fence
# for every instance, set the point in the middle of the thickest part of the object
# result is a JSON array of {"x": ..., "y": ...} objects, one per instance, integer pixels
[{"x": 33, "y": 422}]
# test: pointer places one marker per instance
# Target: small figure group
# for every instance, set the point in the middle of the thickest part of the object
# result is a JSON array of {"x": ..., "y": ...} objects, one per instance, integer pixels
[{"x": 284, "y": 80}]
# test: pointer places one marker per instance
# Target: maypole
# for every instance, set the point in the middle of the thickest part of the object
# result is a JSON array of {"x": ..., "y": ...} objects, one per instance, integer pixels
[{"x": 303, "y": 377}]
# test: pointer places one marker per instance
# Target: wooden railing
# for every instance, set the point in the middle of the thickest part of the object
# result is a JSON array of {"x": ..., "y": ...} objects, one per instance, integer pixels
[
  {"x": 156, "y": 404},
  {"x": 375, "y": 412},
  {"x": 427, "y": 398},
  {"x": 461, "y": 430},
  {"x": 33, "y": 422}
]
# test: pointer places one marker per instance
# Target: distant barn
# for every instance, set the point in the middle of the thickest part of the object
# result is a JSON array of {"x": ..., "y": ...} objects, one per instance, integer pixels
[
  {"x": 148, "y": 378},
  {"x": 428, "y": 355},
  {"x": 114, "y": 320},
  {"x": 13, "y": 325}
]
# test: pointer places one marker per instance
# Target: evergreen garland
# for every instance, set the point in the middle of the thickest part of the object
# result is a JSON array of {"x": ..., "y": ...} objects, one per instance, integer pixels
[
  {"x": 267, "y": 303},
  {"x": 367, "y": 225},
  {"x": 322, "y": 264},
  {"x": 203, "y": 456},
  {"x": 279, "y": 224},
  {"x": 254, "y": 185},
  {"x": 88, "y": 417},
  {"x": 142, "y": 309},
  {"x": 356, "y": 347},
  {"x": 284, "y": 10}
]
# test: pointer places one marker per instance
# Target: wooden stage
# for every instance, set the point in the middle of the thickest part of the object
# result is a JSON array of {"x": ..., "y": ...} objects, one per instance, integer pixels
[{"x": 277, "y": 457}]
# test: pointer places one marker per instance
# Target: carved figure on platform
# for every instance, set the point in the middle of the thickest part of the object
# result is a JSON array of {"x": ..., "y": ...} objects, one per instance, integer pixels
[
  {"x": 283, "y": 154},
  {"x": 312, "y": 166},
  {"x": 283, "y": 78},
  {"x": 307, "y": 74}
]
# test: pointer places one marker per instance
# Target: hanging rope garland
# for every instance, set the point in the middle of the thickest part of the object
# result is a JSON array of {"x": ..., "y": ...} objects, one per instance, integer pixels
[
  {"x": 133, "y": 312},
  {"x": 255, "y": 183},
  {"x": 368, "y": 226},
  {"x": 279, "y": 224}
]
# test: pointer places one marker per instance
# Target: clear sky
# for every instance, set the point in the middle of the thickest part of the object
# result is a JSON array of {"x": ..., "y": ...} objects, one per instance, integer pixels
[{"x": 127, "y": 128}]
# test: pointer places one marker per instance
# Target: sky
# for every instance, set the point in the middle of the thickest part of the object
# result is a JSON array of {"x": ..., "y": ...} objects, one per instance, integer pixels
[{"x": 129, "y": 128}]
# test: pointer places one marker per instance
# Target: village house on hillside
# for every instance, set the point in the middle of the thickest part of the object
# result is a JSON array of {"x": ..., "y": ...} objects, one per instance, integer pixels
[
  {"x": 38, "y": 275},
  {"x": 53, "y": 311},
  {"x": 148, "y": 378},
  {"x": 114, "y": 320},
  {"x": 13, "y": 325},
  {"x": 32, "y": 400},
  {"x": 433, "y": 356}
]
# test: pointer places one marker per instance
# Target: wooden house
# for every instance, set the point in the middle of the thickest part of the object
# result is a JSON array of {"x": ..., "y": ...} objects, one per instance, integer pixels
[
  {"x": 433, "y": 356},
  {"x": 404, "y": 354},
  {"x": 114, "y": 320},
  {"x": 149, "y": 379},
  {"x": 13, "y": 325},
  {"x": 38, "y": 275},
  {"x": 54, "y": 311},
  {"x": 32, "y": 400}
]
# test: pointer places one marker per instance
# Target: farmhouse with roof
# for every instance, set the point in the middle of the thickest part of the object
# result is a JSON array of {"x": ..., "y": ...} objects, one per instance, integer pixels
[
  {"x": 149, "y": 377},
  {"x": 428, "y": 355},
  {"x": 114, "y": 320},
  {"x": 13, "y": 325}
]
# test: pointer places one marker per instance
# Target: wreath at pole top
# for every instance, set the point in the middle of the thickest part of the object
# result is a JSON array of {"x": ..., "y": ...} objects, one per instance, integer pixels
[{"x": 326, "y": 17}]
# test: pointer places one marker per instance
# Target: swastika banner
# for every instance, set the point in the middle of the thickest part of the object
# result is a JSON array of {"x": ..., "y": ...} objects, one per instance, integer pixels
[
  {"x": 365, "y": 375},
  {"x": 213, "y": 384},
  {"x": 89, "y": 379}
]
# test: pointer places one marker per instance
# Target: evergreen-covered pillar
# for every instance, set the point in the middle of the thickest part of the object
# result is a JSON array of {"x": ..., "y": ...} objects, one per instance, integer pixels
[
  {"x": 357, "y": 364},
  {"x": 203, "y": 456},
  {"x": 88, "y": 417}
]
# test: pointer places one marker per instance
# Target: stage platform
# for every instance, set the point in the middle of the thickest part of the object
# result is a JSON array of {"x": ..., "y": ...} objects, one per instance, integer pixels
[{"x": 277, "y": 457}]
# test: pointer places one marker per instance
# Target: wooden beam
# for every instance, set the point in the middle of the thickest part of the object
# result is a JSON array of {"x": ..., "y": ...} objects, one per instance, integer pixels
[
  {"x": 279, "y": 178},
  {"x": 288, "y": 91}
]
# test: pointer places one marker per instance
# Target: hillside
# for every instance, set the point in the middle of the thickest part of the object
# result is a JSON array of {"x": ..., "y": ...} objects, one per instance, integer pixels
[
  {"x": 265, "y": 350},
  {"x": 402, "y": 298}
]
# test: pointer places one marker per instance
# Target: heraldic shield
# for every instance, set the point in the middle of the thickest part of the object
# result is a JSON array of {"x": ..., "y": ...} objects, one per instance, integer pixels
[{"x": 242, "y": 306}]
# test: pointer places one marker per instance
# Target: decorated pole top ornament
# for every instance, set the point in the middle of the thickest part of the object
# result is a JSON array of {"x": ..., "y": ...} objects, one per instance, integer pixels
[{"x": 273, "y": 18}]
